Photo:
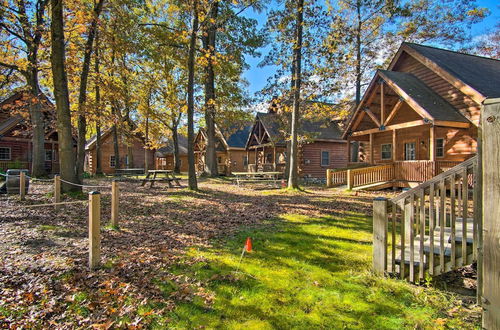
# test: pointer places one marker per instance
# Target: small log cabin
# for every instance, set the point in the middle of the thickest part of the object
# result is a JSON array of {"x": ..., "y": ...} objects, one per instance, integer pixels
[
  {"x": 164, "y": 156},
  {"x": 230, "y": 149},
  {"x": 421, "y": 114},
  {"x": 322, "y": 149},
  {"x": 16, "y": 136},
  {"x": 128, "y": 146}
]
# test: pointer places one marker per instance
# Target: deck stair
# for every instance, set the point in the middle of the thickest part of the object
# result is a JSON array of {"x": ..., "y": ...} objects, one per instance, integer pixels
[{"x": 423, "y": 232}]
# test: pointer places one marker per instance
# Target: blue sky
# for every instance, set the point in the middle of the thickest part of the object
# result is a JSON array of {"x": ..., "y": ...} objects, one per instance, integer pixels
[{"x": 258, "y": 76}]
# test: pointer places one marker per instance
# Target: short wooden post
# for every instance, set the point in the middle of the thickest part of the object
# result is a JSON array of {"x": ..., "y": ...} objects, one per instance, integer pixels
[
  {"x": 328, "y": 178},
  {"x": 57, "y": 191},
  {"x": 380, "y": 235},
  {"x": 22, "y": 185},
  {"x": 114, "y": 204},
  {"x": 408, "y": 221},
  {"x": 350, "y": 179},
  {"x": 94, "y": 229}
]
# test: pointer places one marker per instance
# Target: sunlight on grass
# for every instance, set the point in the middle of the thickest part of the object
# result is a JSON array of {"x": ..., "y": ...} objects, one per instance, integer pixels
[{"x": 309, "y": 272}]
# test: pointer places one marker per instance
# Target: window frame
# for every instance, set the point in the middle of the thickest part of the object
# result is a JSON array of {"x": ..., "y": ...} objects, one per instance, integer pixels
[
  {"x": 10, "y": 153},
  {"x": 442, "y": 148},
  {"x": 321, "y": 158},
  {"x": 112, "y": 161},
  {"x": 414, "y": 150},
  {"x": 382, "y": 151}
]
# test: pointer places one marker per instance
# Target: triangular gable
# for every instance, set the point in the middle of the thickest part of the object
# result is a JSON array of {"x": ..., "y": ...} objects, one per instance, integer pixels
[
  {"x": 259, "y": 134},
  {"x": 403, "y": 88}
]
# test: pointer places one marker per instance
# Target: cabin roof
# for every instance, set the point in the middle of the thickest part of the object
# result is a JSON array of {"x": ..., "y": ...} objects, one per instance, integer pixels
[
  {"x": 480, "y": 73},
  {"x": 434, "y": 104},
  {"x": 236, "y": 136},
  {"x": 9, "y": 123},
  {"x": 168, "y": 148}
]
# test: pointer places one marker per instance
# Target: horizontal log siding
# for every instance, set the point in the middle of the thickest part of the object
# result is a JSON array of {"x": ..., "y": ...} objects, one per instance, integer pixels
[
  {"x": 167, "y": 163},
  {"x": 312, "y": 153},
  {"x": 237, "y": 160},
  {"x": 460, "y": 101}
]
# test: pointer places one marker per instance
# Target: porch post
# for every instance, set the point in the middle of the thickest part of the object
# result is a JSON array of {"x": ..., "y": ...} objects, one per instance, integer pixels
[
  {"x": 432, "y": 144},
  {"x": 248, "y": 159},
  {"x": 349, "y": 150},
  {"x": 371, "y": 149},
  {"x": 394, "y": 158},
  {"x": 382, "y": 105},
  {"x": 274, "y": 159}
]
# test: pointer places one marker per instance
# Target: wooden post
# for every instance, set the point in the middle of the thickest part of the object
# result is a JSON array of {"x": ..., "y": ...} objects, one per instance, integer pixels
[
  {"x": 350, "y": 179},
  {"x": 372, "y": 161},
  {"x": 328, "y": 178},
  {"x": 94, "y": 229},
  {"x": 22, "y": 185},
  {"x": 380, "y": 235},
  {"x": 490, "y": 160},
  {"x": 114, "y": 203},
  {"x": 349, "y": 147},
  {"x": 57, "y": 191},
  {"x": 394, "y": 149},
  {"x": 382, "y": 104},
  {"x": 432, "y": 145},
  {"x": 408, "y": 221}
]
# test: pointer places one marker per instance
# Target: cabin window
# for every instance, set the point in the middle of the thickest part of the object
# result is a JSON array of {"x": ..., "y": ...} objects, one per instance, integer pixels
[
  {"x": 386, "y": 151},
  {"x": 48, "y": 155},
  {"x": 325, "y": 158},
  {"x": 5, "y": 153},
  {"x": 269, "y": 158},
  {"x": 125, "y": 160},
  {"x": 112, "y": 161},
  {"x": 410, "y": 153},
  {"x": 245, "y": 160},
  {"x": 439, "y": 147},
  {"x": 219, "y": 160}
]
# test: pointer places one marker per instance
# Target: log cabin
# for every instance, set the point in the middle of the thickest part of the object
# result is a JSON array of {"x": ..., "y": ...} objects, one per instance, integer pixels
[
  {"x": 131, "y": 150},
  {"x": 230, "y": 149},
  {"x": 16, "y": 135},
  {"x": 164, "y": 156},
  {"x": 322, "y": 146},
  {"x": 420, "y": 116}
]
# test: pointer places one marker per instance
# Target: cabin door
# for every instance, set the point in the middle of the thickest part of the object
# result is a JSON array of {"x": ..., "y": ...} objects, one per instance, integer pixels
[{"x": 410, "y": 151}]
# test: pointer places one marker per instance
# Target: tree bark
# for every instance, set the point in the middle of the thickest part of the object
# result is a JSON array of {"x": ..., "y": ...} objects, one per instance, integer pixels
[
  {"x": 116, "y": 140},
  {"x": 98, "y": 149},
  {"x": 82, "y": 97},
  {"x": 61, "y": 94},
  {"x": 209, "y": 45},
  {"x": 293, "y": 180},
  {"x": 175, "y": 140},
  {"x": 358, "y": 53},
  {"x": 192, "y": 182}
]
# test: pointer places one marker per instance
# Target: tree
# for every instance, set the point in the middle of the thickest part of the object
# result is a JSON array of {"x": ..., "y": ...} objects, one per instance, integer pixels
[
  {"x": 61, "y": 94},
  {"x": 293, "y": 181},
  {"x": 22, "y": 26},
  {"x": 489, "y": 44}
]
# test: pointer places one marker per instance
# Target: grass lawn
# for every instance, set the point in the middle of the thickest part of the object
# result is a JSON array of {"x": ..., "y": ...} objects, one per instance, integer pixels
[{"x": 308, "y": 273}]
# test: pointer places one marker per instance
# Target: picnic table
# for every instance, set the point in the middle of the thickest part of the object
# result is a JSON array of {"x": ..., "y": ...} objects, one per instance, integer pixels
[
  {"x": 129, "y": 172},
  {"x": 161, "y": 175},
  {"x": 248, "y": 177}
]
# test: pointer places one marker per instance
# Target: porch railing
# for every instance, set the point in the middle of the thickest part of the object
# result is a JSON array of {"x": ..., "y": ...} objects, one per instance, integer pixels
[
  {"x": 408, "y": 171},
  {"x": 430, "y": 229}
]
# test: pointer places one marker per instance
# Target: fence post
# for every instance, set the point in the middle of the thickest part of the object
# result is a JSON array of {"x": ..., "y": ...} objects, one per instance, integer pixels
[
  {"x": 380, "y": 235},
  {"x": 350, "y": 179},
  {"x": 94, "y": 229},
  {"x": 22, "y": 185},
  {"x": 328, "y": 178},
  {"x": 114, "y": 203},
  {"x": 57, "y": 191}
]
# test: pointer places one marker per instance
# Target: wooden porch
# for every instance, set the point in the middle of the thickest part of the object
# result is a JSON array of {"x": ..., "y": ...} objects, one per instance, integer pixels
[{"x": 266, "y": 158}]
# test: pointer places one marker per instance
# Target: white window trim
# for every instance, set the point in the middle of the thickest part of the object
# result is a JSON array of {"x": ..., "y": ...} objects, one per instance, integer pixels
[
  {"x": 321, "y": 159},
  {"x": 444, "y": 153},
  {"x": 112, "y": 166},
  {"x": 10, "y": 153},
  {"x": 382, "y": 151}
]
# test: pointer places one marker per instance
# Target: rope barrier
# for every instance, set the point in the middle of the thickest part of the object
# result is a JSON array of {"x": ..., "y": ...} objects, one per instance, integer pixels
[
  {"x": 43, "y": 205},
  {"x": 85, "y": 186}
]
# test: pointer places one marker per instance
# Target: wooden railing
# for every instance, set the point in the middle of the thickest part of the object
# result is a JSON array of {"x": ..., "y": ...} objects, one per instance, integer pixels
[
  {"x": 430, "y": 229},
  {"x": 410, "y": 171}
]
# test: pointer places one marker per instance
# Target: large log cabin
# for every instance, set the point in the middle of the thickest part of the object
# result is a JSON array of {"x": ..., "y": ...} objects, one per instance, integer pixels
[
  {"x": 131, "y": 150},
  {"x": 421, "y": 114},
  {"x": 16, "y": 135},
  {"x": 230, "y": 149},
  {"x": 164, "y": 156},
  {"x": 322, "y": 147}
]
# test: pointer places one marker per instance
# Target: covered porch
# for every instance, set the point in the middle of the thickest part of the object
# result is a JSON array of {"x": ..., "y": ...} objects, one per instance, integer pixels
[{"x": 266, "y": 158}]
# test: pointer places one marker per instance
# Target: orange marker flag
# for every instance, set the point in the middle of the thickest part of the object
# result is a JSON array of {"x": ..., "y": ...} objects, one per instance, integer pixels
[{"x": 248, "y": 244}]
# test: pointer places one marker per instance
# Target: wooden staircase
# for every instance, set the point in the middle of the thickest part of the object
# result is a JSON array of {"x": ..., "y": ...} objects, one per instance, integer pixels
[{"x": 430, "y": 229}]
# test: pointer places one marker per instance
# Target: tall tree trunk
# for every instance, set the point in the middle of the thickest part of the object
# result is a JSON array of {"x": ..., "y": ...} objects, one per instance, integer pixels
[
  {"x": 209, "y": 44},
  {"x": 293, "y": 180},
  {"x": 98, "y": 149},
  {"x": 61, "y": 94},
  {"x": 37, "y": 124},
  {"x": 146, "y": 141},
  {"x": 82, "y": 97},
  {"x": 116, "y": 140},
  {"x": 192, "y": 182},
  {"x": 175, "y": 140},
  {"x": 358, "y": 53}
]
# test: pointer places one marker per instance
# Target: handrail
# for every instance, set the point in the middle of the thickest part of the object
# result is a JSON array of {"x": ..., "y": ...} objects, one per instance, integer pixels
[{"x": 435, "y": 179}]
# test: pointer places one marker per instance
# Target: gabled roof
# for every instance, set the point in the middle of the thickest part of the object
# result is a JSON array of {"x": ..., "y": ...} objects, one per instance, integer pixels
[
  {"x": 482, "y": 74},
  {"x": 236, "y": 136},
  {"x": 273, "y": 125},
  {"x": 168, "y": 149},
  {"x": 93, "y": 139},
  {"x": 10, "y": 123},
  {"x": 437, "y": 107}
]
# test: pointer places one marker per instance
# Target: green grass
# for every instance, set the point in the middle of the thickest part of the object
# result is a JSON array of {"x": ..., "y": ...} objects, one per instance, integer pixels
[{"x": 304, "y": 273}]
